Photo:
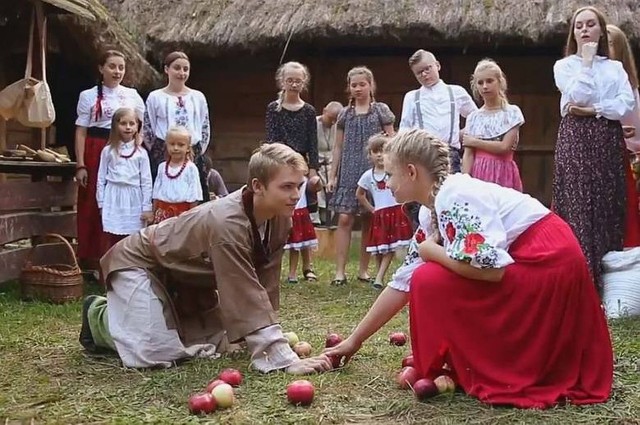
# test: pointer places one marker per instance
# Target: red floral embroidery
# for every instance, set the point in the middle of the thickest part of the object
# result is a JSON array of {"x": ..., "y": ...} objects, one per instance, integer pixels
[
  {"x": 450, "y": 231},
  {"x": 420, "y": 236},
  {"x": 471, "y": 242}
]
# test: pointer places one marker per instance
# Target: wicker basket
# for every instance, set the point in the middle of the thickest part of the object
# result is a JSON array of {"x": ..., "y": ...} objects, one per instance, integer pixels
[{"x": 55, "y": 283}]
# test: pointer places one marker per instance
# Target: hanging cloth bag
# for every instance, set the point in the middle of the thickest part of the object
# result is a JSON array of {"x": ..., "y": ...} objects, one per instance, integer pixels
[{"x": 29, "y": 99}]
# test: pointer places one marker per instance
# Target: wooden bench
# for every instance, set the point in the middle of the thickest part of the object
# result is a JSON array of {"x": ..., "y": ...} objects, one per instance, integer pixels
[{"x": 32, "y": 207}]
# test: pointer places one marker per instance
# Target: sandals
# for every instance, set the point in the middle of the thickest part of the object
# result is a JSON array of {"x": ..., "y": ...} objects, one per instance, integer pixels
[
  {"x": 310, "y": 276},
  {"x": 339, "y": 282},
  {"x": 366, "y": 279},
  {"x": 292, "y": 280}
]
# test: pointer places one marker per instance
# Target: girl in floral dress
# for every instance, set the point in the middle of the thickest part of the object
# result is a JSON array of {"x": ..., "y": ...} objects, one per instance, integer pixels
[
  {"x": 492, "y": 132},
  {"x": 499, "y": 289},
  {"x": 177, "y": 187},
  {"x": 177, "y": 105},
  {"x": 361, "y": 119}
]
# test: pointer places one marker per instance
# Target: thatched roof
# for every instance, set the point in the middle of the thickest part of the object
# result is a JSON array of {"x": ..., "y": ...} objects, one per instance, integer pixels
[
  {"x": 91, "y": 28},
  {"x": 103, "y": 33},
  {"x": 213, "y": 27}
]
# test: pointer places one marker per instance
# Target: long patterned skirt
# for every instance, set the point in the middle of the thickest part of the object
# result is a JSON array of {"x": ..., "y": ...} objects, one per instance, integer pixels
[{"x": 589, "y": 185}]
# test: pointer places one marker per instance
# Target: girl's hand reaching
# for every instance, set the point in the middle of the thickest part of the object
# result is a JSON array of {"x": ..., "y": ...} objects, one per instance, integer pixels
[{"x": 346, "y": 349}]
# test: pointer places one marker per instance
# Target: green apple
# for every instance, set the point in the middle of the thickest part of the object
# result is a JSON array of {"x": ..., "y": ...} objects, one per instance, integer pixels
[{"x": 292, "y": 338}]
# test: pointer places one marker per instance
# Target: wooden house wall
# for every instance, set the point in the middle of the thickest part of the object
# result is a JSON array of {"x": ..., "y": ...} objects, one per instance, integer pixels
[{"x": 238, "y": 91}]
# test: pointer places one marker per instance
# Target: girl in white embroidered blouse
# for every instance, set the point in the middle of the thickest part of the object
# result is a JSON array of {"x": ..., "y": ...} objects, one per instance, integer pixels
[
  {"x": 176, "y": 104},
  {"x": 500, "y": 280},
  {"x": 177, "y": 186},
  {"x": 589, "y": 190},
  {"x": 124, "y": 180},
  {"x": 492, "y": 132}
]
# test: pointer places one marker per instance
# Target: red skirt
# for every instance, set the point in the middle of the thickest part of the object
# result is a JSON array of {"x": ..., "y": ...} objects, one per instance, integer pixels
[
  {"x": 536, "y": 339},
  {"x": 89, "y": 221},
  {"x": 390, "y": 229},
  {"x": 165, "y": 210},
  {"x": 632, "y": 218},
  {"x": 303, "y": 234}
]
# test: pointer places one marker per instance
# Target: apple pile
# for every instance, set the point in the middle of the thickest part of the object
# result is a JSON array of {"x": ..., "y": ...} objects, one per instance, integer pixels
[
  {"x": 218, "y": 393},
  {"x": 423, "y": 388}
]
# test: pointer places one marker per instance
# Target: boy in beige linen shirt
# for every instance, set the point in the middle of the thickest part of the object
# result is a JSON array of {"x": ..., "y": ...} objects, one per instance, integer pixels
[{"x": 191, "y": 284}]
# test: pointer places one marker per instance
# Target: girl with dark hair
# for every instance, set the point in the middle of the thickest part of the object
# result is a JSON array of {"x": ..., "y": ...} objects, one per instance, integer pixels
[{"x": 96, "y": 108}]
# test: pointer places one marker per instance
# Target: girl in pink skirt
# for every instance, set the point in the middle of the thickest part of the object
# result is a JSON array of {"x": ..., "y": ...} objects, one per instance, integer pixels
[
  {"x": 492, "y": 132},
  {"x": 302, "y": 238},
  {"x": 390, "y": 228}
]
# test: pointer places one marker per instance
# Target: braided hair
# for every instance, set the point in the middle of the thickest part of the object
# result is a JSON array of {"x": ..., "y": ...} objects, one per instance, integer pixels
[
  {"x": 361, "y": 70},
  {"x": 103, "y": 61},
  {"x": 280, "y": 81},
  {"x": 421, "y": 148}
]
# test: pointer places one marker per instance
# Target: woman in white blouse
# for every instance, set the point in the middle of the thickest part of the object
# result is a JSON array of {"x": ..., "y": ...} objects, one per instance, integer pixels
[
  {"x": 96, "y": 107},
  {"x": 589, "y": 176},
  {"x": 177, "y": 105},
  {"x": 498, "y": 287}
]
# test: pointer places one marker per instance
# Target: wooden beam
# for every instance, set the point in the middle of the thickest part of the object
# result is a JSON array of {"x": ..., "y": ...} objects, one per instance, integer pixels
[
  {"x": 16, "y": 195},
  {"x": 23, "y": 225},
  {"x": 12, "y": 261}
]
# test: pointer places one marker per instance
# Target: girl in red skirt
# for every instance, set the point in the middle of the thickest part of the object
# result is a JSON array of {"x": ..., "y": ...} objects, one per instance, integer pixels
[
  {"x": 302, "y": 238},
  {"x": 177, "y": 185},
  {"x": 390, "y": 228},
  {"x": 96, "y": 107},
  {"x": 505, "y": 297}
]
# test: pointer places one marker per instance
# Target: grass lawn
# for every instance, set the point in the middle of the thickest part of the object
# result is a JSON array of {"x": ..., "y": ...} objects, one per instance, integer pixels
[{"x": 46, "y": 377}]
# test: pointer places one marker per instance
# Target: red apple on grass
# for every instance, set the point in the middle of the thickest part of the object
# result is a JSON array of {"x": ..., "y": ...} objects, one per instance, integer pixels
[
  {"x": 232, "y": 377},
  {"x": 407, "y": 377},
  {"x": 425, "y": 388},
  {"x": 335, "y": 361},
  {"x": 202, "y": 403},
  {"x": 224, "y": 396},
  {"x": 302, "y": 349},
  {"x": 300, "y": 392},
  {"x": 407, "y": 361},
  {"x": 332, "y": 340},
  {"x": 398, "y": 338},
  {"x": 445, "y": 384},
  {"x": 214, "y": 384}
]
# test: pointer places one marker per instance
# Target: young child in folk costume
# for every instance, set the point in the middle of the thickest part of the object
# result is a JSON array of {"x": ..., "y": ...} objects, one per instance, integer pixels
[
  {"x": 124, "y": 181},
  {"x": 620, "y": 49},
  {"x": 302, "y": 238},
  {"x": 96, "y": 107},
  {"x": 177, "y": 186},
  {"x": 492, "y": 132},
  {"x": 589, "y": 189},
  {"x": 390, "y": 228},
  {"x": 360, "y": 120},
  {"x": 500, "y": 273},
  {"x": 176, "y": 104}
]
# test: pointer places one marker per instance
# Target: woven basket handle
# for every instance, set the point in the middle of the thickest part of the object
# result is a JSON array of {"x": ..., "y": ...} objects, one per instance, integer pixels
[{"x": 64, "y": 241}]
